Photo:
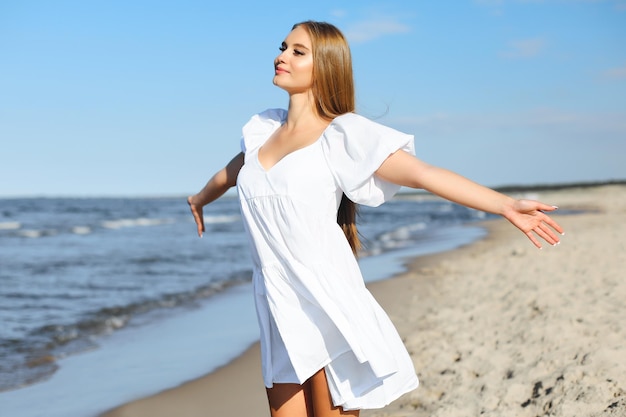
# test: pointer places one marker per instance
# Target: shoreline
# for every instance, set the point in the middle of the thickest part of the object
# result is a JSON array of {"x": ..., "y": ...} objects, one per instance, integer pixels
[
  {"x": 494, "y": 327},
  {"x": 177, "y": 345}
]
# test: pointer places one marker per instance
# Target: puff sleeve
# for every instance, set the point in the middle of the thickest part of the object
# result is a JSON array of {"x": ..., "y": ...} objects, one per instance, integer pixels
[
  {"x": 354, "y": 148},
  {"x": 257, "y": 130}
]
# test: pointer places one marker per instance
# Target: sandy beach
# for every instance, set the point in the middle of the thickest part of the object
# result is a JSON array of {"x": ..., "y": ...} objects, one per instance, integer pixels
[{"x": 496, "y": 328}]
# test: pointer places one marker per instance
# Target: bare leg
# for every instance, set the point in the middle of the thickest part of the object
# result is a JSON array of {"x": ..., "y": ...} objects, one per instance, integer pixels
[
  {"x": 322, "y": 401},
  {"x": 290, "y": 400}
]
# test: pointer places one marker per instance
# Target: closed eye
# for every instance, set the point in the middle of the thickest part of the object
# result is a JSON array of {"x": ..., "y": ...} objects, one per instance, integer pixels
[{"x": 298, "y": 50}]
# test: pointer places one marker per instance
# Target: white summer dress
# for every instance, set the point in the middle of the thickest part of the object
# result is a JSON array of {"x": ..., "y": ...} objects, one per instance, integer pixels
[{"x": 313, "y": 308}]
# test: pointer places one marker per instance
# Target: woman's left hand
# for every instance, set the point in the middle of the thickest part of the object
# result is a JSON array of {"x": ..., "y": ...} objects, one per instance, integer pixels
[{"x": 529, "y": 216}]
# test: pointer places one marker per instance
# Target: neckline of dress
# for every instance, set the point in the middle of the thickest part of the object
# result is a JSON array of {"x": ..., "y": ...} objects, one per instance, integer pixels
[{"x": 281, "y": 123}]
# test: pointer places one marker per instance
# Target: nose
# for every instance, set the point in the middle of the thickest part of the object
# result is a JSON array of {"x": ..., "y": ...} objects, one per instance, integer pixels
[{"x": 281, "y": 57}]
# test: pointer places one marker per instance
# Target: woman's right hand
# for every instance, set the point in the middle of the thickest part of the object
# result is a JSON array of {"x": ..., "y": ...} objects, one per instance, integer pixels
[
  {"x": 198, "y": 216},
  {"x": 215, "y": 188}
]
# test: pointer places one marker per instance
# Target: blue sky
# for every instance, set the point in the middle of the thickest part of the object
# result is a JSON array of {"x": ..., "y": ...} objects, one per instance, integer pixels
[{"x": 136, "y": 98}]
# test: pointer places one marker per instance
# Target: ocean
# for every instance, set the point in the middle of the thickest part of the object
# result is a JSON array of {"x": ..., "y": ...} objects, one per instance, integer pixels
[{"x": 76, "y": 272}]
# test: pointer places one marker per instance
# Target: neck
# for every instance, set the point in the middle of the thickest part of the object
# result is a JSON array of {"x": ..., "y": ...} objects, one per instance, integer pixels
[{"x": 301, "y": 111}]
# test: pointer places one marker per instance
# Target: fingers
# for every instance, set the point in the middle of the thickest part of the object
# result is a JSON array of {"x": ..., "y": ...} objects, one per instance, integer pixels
[
  {"x": 553, "y": 224},
  {"x": 546, "y": 234},
  {"x": 199, "y": 223},
  {"x": 542, "y": 233},
  {"x": 199, "y": 219},
  {"x": 531, "y": 218},
  {"x": 547, "y": 226},
  {"x": 546, "y": 207},
  {"x": 198, "y": 216},
  {"x": 544, "y": 230},
  {"x": 532, "y": 235},
  {"x": 533, "y": 239}
]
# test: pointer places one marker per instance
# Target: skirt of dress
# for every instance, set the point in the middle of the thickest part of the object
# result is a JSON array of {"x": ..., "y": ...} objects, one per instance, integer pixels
[{"x": 352, "y": 384}]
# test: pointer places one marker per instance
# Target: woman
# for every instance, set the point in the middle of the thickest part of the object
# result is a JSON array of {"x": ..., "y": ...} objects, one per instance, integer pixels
[{"x": 327, "y": 347}]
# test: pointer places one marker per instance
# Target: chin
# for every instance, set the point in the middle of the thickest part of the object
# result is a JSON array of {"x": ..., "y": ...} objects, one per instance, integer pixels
[{"x": 278, "y": 84}]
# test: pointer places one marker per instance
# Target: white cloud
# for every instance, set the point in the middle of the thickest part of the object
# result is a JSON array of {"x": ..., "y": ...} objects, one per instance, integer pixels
[
  {"x": 367, "y": 30},
  {"x": 338, "y": 13},
  {"x": 524, "y": 48},
  {"x": 617, "y": 73}
]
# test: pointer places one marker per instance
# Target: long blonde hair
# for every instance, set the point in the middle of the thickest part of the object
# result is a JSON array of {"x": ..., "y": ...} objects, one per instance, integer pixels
[{"x": 333, "y": 89}]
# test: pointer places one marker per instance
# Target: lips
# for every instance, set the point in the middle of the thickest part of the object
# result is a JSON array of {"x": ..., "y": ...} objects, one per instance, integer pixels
[{"x": 280, "y": 70}]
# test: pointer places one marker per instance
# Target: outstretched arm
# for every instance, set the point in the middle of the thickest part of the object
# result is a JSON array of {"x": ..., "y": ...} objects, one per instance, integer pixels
[
  {"x": 215, "y": 188},
  {"x": 529, "y": 216}
]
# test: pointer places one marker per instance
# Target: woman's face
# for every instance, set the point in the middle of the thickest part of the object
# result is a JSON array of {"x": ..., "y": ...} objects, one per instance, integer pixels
[{"x": 294, "y": 66}]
